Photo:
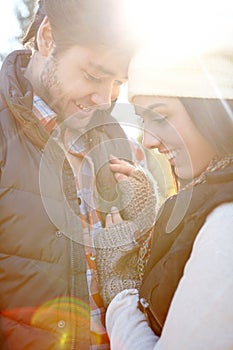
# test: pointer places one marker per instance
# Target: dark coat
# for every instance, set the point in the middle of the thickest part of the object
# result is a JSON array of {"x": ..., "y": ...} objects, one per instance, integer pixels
[
  {"x": 43, "y": 288},
  {"x": 172, "y": 243}
]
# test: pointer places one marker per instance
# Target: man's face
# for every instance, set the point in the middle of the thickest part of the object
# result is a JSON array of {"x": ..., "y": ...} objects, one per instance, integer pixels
[{"x": 80, "y": 80}]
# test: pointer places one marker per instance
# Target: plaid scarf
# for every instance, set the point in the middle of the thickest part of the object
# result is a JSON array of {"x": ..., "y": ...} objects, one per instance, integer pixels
[{"x": 76, "y": 151}]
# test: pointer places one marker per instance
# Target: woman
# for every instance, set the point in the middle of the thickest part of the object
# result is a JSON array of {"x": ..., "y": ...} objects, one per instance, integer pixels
[{"x": 185, "y": 300}]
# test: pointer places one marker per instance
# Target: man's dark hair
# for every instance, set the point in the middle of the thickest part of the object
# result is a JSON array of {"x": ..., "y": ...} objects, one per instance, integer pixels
[{"x": 85, "y": 22}]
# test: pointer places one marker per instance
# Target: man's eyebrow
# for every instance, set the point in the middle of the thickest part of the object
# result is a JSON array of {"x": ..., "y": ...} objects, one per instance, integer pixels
[
  {"x": 100, "y": 68},
  {"x": 103, "y": 70}
]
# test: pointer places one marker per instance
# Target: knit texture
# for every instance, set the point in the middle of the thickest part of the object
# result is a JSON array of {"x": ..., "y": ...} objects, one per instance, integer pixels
[
  {"x": 117, "y": 250},
  {"x": 140, "y": 198}
]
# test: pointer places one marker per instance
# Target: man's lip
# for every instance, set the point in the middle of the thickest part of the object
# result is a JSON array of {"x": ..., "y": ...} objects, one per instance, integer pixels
[
  {"x": 84, "y": 107},
  {"x": 83, "y": 111}
]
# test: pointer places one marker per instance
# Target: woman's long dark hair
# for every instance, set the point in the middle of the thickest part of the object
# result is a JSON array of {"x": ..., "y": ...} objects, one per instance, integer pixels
[{"x": 214, "y": 119}]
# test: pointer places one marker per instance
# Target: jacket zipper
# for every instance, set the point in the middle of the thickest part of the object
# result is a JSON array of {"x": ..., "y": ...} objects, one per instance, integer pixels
[{"x": 146, "y": 307}]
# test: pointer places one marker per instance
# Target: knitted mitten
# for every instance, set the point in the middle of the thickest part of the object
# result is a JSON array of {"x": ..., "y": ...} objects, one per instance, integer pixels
[
  {"x": 117, "y": 259},
  {"x": 140, "y": 199},
  {"x": 117, "y": 250}
]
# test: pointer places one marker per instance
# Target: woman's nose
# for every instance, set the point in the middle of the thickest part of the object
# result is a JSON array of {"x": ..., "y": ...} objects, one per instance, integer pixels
[{"x": 150, "y": 141}]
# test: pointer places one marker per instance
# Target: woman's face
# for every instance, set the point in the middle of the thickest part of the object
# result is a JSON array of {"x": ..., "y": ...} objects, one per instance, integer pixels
[{"x": 169, "y": 128}]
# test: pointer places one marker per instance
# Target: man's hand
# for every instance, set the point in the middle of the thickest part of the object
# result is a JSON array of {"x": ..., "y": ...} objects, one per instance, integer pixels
[{"x": 121, "y": 168}]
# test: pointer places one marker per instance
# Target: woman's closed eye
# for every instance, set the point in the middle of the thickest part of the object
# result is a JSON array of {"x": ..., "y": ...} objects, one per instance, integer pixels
[
  {"x": 156, "y": 117},
  {"x": 151, "y": 118}
]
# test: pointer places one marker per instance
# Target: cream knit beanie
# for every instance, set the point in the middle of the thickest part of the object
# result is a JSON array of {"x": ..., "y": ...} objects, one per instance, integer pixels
[{"x": 209, "y": 75}]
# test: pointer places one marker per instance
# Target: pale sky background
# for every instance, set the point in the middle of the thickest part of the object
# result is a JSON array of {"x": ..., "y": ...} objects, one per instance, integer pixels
[{"x": 9, "y": 27}]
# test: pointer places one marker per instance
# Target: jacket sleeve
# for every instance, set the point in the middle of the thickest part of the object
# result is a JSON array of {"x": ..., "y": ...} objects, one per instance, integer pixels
[
  {"x": 126, "y": 324},
  {"x": 201, "y": 312}
]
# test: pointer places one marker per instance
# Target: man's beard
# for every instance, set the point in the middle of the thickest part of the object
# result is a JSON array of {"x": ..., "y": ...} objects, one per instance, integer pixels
[{"x": 49, "y": 82}]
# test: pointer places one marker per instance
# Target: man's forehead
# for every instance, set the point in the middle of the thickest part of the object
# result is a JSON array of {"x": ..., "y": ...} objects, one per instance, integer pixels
[
  {"x": 110, "y": 69},
  {"x": 111, "y": 63}
]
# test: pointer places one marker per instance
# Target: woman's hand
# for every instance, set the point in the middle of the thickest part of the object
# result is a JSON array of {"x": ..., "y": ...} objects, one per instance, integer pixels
[
  {"x": 139, "y": 193},
  {"x": 116, "y": 256},
  {"x": 113, "y": 218}
]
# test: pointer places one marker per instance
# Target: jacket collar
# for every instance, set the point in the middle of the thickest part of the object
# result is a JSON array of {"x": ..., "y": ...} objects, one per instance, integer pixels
[
  {"x": 15, "y": 88},
  {"x": 17, "y": 92}
]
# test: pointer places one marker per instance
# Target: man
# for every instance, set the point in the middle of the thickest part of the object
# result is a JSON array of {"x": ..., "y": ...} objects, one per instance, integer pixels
[{"x": 56, "y": 186}]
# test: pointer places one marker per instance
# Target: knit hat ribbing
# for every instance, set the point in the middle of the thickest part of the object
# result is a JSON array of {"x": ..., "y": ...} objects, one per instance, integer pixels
[{"x": 209, "y": 75}]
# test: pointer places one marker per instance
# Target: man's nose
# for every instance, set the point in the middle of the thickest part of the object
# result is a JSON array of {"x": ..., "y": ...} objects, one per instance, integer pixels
[
  {"x": 103, "y": 97},
  {"x": 115, "y": 92}
]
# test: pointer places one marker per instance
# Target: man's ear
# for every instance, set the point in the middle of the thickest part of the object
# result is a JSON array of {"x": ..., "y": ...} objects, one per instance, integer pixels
[{"x": 44, "y": 38}]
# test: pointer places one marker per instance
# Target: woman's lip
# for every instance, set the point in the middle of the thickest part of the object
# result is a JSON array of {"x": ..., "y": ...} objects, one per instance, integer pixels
[
  {"x": 172, "y": 161},
  {"x": 170, "y": 155}
]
